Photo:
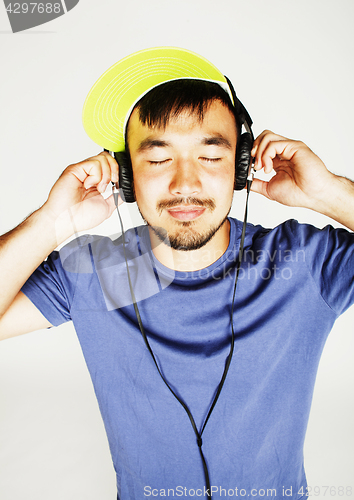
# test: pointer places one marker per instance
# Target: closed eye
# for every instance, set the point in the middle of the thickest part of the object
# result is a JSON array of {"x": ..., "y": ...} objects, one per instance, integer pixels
[
  {"x": 210, "y": 160},
  {"x": 203, "y": 158},
  {"x": 158, "y": 162}
]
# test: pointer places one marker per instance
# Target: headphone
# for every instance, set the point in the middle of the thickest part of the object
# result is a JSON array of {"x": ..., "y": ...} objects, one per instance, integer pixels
[{"x": 242, "y": 162}]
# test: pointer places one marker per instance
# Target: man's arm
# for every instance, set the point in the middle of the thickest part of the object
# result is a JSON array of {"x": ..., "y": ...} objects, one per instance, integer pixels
[
  {"x": 75, "y": 203},
  {"x": 21, "y": 252},
  {"x": 302, "y": 179}
]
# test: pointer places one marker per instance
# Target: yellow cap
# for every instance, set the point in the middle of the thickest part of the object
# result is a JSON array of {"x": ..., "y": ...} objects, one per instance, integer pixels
[{"x": 111, "y": 100}]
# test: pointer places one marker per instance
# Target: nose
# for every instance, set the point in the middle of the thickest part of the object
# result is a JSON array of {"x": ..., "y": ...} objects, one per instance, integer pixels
[{"x": 186, "y": 179}]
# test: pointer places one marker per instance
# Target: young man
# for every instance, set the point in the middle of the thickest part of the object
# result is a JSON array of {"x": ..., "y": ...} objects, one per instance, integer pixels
[{"x": 178, "y": 422}]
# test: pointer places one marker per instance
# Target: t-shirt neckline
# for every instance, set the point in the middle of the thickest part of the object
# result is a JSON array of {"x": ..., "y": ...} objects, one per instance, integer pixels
[{"x": 187, "y": 277}]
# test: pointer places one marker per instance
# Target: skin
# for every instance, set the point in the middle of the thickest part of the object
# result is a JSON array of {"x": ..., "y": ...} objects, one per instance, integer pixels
[
  {"x": 183, "y": 180},
  {"x": 302, "y": 179},
  {"x": 75, "y": 203}
]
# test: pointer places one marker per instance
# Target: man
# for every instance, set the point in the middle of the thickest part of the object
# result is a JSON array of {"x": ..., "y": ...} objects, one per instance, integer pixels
[{"x": 203, "y": 392}]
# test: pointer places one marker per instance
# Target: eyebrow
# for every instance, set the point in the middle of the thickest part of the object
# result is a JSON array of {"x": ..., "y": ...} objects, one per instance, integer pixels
[
  {"x": 148, "y": 143},
  {"x": 214, "y": 140}
]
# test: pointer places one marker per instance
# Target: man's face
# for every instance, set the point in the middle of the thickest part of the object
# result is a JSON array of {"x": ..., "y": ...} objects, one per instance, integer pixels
[{"x": 184, "y": 174}]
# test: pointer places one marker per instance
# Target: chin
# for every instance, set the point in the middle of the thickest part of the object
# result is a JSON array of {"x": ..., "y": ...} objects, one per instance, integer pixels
[{"x": 187, "y": 238}]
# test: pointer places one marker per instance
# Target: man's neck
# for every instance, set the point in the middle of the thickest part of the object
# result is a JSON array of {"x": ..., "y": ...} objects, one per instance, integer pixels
[{"x": 192, "y": 260}]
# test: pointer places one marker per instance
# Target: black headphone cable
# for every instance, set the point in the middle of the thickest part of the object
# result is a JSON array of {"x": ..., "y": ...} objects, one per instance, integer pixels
[{"x": 229, "y": 357}]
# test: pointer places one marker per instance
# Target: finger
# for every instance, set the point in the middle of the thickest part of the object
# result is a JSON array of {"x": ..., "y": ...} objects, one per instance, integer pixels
[
  {"x": 113, "y": 166},
  {"x": 261, "y": 144},
  {"x": 111, "y": 203},
  {"x": 106, "y": 173},
  {"x": 258, "y": 140},
  {"x": 278, "y": 153},
  {"x": 109, "y": 169},
  {"x": 89, "y": 172},
  {"x": 260, "y": 187},
  {"x": 98, "y": 173},
  {"x": 269, "y": 154}
]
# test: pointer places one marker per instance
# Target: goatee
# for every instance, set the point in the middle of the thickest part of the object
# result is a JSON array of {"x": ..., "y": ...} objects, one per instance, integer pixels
[{"x": 185, "y": 237}]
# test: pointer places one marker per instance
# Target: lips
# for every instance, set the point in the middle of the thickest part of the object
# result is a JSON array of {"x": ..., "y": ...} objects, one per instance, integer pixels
[{"x": 186, "y": 213}]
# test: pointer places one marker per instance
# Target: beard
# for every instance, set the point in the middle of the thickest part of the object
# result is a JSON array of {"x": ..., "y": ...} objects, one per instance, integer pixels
[{"x": 185, "y": 237}]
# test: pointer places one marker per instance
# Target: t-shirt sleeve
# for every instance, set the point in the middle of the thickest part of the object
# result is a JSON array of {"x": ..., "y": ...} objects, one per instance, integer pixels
[
  {"x": 47, "y": 292},
  {"x": 330, "y": 259},
  {"x": 51, "y": 287}
]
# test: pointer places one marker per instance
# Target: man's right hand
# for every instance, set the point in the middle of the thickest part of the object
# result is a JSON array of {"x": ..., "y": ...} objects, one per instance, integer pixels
[{"x": 75, "y": 202}]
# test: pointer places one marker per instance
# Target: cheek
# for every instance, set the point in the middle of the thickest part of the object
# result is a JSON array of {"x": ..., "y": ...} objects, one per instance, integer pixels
[
  {"x": 223, "y": 182},
  {"x": 151, "y": 188},
  {"x": 147, "y": 190}
]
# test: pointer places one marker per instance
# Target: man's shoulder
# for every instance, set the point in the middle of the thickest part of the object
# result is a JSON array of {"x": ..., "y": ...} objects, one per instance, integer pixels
[
  {"x": 291, "y": 232},
  {"x": 255, "y": 231}
]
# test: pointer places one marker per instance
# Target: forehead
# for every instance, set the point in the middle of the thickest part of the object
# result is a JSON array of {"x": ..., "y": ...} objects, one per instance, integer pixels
[{"x": 217, "y": 120}]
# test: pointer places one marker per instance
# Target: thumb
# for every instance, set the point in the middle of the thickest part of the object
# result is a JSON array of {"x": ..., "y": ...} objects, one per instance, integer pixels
[
  {"x": 260, "y": 187},
  {"x": 112, "y": 203}
]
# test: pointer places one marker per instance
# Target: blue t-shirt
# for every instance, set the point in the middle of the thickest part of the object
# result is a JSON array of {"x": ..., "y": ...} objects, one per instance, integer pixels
[{"x": 294, "y": 282}]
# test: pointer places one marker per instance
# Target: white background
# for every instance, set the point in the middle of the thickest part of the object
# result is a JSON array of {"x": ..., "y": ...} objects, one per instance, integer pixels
[{"x": 291, "y": 63}]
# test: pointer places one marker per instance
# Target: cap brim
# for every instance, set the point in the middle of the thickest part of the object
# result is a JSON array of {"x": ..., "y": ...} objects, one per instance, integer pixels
[{"x": 112, "y": 98}]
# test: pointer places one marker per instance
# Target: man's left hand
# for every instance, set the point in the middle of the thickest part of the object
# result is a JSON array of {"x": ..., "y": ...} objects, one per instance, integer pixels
[{"x": 301, "y": 179}]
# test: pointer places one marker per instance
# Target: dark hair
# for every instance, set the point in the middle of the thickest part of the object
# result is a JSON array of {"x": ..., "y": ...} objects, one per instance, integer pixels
[{"x": 169, "y": 99}]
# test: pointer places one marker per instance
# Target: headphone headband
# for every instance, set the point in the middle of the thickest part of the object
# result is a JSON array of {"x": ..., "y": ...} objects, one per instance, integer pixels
[{"x": 240, "y": 109}]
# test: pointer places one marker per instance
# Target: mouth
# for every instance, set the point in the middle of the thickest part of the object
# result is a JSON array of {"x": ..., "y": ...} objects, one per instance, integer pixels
[{"x": 186, "y": 213}]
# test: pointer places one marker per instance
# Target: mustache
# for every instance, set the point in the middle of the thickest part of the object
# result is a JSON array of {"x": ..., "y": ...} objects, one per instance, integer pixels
[{"x": 166, "y": 204}]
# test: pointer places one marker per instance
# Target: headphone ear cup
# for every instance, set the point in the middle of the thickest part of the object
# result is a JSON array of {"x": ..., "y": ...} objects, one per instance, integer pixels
[
  {"x": 125, "y": 177},
  {"x": 243, "y": 160}
]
